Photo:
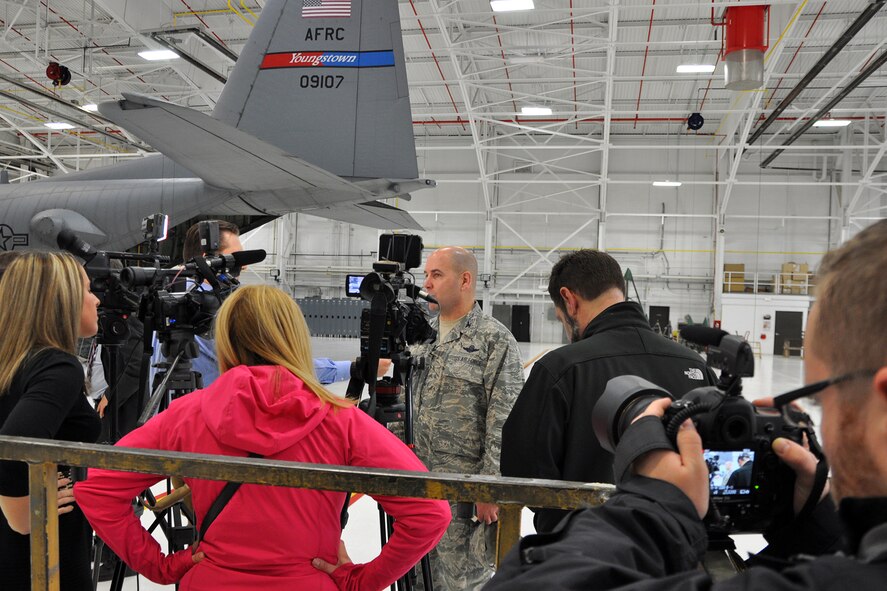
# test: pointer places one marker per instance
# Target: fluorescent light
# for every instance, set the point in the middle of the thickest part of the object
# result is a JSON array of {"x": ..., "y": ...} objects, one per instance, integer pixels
[
  {"x": 832, "y": 123},
  {"x": 511, "y": 5},
  {"x": 666, "y": 183},
  {"x": 527, "y": 59},
  {"x": 535, "y": 111},
  {"x": 158, "y": 54},
  {"x": 58, "y": 125},
  {"x": 695, "y": 69},
  {"x": 91, "y": 107}
]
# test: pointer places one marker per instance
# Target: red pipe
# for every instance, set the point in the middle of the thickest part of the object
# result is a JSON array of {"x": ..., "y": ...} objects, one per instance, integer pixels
[
  {"x": 436, "y": 63},
  {"x": 644, "y": 68},
  {"x": 778, "y": 84}
]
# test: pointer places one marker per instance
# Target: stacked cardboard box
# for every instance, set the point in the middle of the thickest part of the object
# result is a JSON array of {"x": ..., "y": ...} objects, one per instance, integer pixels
[
  {"x": 734, "y": 278},
  {"x": 794, "y": 278}
]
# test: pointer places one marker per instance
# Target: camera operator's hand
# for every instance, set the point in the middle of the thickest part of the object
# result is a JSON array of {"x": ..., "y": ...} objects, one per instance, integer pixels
[
  {"x": 800, "y": 459},
  {"x": 103, "y": 404},
  {"x": 384, "y": 366},
  {"x": 65, "y": 495},
  {"x": 487, "y": 512},
  {"x": 685, "y": 469}
]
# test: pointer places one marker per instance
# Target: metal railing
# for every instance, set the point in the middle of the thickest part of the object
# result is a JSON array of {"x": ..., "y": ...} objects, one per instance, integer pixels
[
  {"x": 773, "y": 283},
  {"x": 43, "y": 456}
]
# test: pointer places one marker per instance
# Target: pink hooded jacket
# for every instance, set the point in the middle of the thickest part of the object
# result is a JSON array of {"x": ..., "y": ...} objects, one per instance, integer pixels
[{"x": 266, "y": 537}]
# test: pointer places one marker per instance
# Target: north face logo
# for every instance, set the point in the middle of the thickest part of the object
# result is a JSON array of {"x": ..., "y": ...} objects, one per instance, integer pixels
[{"x": 694, "y": 374}]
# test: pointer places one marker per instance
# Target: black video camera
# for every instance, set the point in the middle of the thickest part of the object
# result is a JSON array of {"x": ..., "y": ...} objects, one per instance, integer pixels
[
  {"x": 405, "y": 322},
  {"x": 750, "y": 488},
  {"x": 103, "y": 268},
  {"x": 389, "y": 326}
]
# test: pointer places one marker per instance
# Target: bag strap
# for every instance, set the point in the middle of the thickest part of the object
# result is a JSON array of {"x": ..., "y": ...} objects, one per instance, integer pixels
[
  {"x": 227, "y": 492},
  {"x": 343, "y": 516}
]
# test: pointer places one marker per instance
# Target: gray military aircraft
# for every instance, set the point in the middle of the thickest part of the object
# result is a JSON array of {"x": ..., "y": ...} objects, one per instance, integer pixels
[{"x": 315, "y": 117}]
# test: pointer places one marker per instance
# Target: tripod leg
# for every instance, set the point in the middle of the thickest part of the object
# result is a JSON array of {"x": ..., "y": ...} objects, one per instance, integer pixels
[
  {"x": 97, "y": 562},
  {"x": 426, "y": 573}
]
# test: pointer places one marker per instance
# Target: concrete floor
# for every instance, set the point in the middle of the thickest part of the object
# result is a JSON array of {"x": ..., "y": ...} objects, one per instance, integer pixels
[{"x": 773, "y": 375}]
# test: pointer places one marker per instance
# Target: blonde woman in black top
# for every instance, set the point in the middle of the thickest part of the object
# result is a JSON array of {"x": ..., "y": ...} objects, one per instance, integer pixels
[{"x": 45, "y": 305}]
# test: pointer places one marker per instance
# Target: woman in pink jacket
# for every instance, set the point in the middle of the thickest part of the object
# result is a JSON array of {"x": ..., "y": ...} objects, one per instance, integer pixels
[{"x": 266, "y": 402}]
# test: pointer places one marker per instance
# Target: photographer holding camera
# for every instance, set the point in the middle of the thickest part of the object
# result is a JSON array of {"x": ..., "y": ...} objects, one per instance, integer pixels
[
  {"x": 650, "y": 534},
  {"x": 471, "y": 378},
  {"x": 548, "y": 434}
]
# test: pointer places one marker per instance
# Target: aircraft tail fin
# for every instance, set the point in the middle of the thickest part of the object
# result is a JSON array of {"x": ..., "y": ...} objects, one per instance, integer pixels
[{"x": 334, "y": 93}]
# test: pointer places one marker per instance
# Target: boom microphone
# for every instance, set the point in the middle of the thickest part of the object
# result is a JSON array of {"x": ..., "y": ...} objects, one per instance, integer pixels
[
  {"x": 703, "y": 335},
  {"x": 243, "y": 258},
  {"x": 414, "y": 291},
  {"x": 229, "y": 262}
]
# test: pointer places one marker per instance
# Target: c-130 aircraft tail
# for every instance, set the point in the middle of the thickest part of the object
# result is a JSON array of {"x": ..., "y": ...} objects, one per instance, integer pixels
[{"x": 315, "y": 117}]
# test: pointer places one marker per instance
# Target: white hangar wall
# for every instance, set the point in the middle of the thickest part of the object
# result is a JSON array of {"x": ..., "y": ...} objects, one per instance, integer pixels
[{"x": 666, "y": 236}]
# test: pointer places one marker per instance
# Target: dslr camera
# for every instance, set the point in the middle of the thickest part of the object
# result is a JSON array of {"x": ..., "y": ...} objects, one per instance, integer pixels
[{"x": 750, "y": 488}]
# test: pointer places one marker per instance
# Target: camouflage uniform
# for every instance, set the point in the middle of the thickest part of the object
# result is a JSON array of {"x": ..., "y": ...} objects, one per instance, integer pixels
[{"x": 461, "y": 400}]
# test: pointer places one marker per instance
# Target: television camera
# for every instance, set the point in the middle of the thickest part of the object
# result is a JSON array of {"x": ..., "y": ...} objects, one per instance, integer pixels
[{"x": 387, "y": 328}]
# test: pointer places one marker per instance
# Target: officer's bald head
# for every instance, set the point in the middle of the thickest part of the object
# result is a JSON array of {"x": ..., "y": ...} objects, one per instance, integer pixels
[{"x": 459, "y": 261}]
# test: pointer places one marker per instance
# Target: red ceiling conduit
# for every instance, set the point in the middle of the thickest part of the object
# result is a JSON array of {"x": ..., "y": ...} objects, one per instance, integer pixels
[
  {"x": 644, "y": 68},
  {"x": 504, "y": 62},
  {"x": 436, "y": 63},
  {"x": 203, "y": 22},
  {"x": 792, "y": 61}
]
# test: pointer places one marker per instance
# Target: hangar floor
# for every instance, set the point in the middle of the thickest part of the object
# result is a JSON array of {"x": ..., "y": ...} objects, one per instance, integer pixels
[{"x": 773, "y": 375}]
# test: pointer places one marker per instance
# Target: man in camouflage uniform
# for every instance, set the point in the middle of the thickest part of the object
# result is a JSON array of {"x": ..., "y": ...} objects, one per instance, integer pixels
[{"x": 471, "y": 379}]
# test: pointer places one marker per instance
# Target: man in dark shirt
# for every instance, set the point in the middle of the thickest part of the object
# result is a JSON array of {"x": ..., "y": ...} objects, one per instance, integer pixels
[
  {"x": 741, "y": 477},
  {"x": 548, "y": 433},
  {"x": 649, "y": 535}
]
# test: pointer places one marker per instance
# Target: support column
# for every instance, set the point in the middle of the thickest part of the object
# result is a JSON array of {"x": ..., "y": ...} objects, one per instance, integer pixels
[
  {"x": 720, "y": 244},
  {"x": 489, "y": 253}
]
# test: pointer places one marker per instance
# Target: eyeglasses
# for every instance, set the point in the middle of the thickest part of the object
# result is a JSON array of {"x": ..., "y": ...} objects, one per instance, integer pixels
[{"x": 811, "y": 389}]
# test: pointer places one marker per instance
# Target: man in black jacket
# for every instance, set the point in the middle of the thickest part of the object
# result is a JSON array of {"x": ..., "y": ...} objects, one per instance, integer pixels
[
  {"x": 548, "y": 433},
  {"x": 649, "y": 535}
]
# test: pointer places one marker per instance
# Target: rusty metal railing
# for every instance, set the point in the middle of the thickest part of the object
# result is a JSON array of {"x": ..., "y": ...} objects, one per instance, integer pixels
[{"x": 43, "y": 456}]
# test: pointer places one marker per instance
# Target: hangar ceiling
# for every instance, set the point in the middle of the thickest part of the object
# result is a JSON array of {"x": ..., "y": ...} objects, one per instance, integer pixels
[{"x": 605, "y": 69}]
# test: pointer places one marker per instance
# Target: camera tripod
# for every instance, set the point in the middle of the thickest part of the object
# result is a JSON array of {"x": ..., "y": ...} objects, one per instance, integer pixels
[
  {"x": 175, "y": 378},
  {"x": 385, "y": 407}
]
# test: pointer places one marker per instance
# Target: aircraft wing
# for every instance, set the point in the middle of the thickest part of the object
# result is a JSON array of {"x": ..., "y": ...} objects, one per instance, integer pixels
[
  {"x": 373, "y": 214},
  {"x": 224, "y": 156}
]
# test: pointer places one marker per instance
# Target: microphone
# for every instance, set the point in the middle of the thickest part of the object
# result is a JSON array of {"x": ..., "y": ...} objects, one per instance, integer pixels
[
  {"x": 69, "y": 241},
  {"x": 703, "y": 335},
  {"x": 414, "y": 291},
  {"x": 243, "y": 258},
  {"x": 235, "y": 260}
]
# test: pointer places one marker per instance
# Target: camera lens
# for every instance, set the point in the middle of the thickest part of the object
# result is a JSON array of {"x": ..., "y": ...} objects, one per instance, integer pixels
[{"x": 623, "y": 399}]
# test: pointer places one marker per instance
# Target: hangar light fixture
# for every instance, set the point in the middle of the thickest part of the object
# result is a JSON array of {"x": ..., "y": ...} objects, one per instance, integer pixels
[
  {"x": 832, "y": 123},
  {"x": 158, "y": 55},
  {"x": 527, "y": 59},
  {"x": 91, "y": 107},
  {"x": 667, "y": 183},
  {"x": 511, "y": 5},
  {"x": 58, "y": 125},
  {"x": 535, "y": 111},
  {"x": 695, "y": 69}
]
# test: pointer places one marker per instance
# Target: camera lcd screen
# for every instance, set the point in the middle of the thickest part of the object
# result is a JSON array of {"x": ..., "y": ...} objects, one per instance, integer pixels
[
  {"x": 352, "y": 285},
  {"x": 730, "y": 473}
]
